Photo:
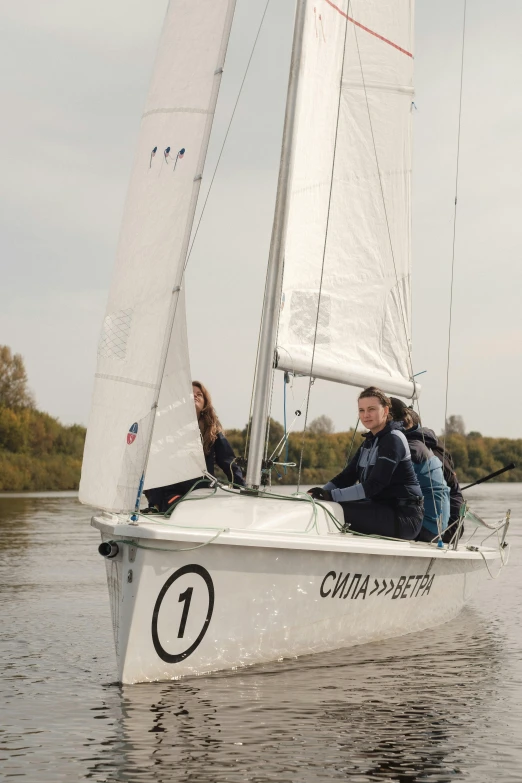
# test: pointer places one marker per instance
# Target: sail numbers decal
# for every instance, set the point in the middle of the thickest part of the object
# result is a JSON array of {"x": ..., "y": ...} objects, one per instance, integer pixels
[
  {"x": 359, "y": 586},
  {"x": 196, "y": 596}
]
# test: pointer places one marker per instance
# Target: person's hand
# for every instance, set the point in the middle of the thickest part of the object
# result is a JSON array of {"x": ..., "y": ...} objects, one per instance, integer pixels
[{"x": 318, "y": 493}]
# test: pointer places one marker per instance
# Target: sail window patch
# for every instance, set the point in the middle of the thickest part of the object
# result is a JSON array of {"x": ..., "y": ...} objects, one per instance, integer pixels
[
  {"x": 115, "y": 335},
  {"x": 303, "y": 318}
]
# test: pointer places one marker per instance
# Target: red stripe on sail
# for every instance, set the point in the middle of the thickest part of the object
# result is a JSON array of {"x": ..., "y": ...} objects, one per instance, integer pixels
[{"x": 367, "y": 29}]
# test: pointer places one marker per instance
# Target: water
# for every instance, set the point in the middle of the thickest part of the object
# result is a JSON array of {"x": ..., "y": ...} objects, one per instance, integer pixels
[{"x": 444, "y": 705}]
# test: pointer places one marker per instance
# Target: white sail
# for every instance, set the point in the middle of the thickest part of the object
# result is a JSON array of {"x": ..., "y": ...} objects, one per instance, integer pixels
[
  {"x": 145, "y": 302},
  {"x": 176, "y": 442},
  {"x": 357, "y": 128}
]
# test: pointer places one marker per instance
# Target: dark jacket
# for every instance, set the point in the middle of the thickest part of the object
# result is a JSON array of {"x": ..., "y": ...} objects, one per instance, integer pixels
[
  {"x": 383, "y": 468},
  {"x": 456, "y": 499},
  {"x": 222, "y": 455},
  {"x": 428, "y": 469}
]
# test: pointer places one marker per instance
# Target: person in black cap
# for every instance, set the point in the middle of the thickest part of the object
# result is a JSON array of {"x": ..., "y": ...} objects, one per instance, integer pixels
[
  {"x": 378, "y": 490},
  {"x": 436, "y": 473}
]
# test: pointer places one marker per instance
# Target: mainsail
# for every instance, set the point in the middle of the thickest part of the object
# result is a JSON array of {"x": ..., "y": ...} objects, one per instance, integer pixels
[
  {"x": 143, "y": 384},
  {"x": 345, "y": 310}
]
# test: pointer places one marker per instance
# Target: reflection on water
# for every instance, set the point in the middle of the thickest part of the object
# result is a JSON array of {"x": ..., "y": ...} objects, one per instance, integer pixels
[{"x": 443, "y": 705}]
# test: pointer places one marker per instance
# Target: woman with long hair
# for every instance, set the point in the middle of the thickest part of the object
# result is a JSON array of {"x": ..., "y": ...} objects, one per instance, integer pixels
[
  {"x": 216, "y": 448},
  {"x": 378, "y": 490}
]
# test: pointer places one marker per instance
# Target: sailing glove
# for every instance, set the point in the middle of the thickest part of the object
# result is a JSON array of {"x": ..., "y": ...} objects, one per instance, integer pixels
[{"x": 318, "y": 493}]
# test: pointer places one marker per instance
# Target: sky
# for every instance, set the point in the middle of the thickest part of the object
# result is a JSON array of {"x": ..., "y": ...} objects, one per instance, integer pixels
[{"x": 74, "y": 77}]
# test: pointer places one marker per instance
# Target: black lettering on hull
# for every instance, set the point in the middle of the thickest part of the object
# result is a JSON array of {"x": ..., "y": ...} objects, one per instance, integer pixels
[{"x": 339, "y": 585}]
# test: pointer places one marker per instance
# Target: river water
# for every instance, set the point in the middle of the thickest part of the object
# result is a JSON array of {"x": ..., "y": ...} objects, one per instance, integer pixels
[{"x": 444, "y": 705}]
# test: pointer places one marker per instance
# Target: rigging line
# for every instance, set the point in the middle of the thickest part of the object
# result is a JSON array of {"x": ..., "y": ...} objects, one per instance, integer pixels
[
  {"x": 310, "y": 380},
  {"x": 227, "y": 132},
  {"x": 284, "y": 418},
  {"x": 403, "y": 314},
  {"x": 454, "y": 226},
  {"x": 353, "y": 441},
  {"x": 286, "y": 435}
]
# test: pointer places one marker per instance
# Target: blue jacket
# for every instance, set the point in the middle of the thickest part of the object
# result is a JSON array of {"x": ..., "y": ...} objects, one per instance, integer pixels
[
  {"x": 383, "y": 468},
  {"x": 429, "y": 471},
  {"x": 456, "y": 499}
]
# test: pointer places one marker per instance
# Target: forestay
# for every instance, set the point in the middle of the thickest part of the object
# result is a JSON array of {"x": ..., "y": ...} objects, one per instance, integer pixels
[
  {"x": 350, "y": 198},
  {"x": 136, "y": 355}
]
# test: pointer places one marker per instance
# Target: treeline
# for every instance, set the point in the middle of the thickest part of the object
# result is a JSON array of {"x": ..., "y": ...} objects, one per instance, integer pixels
[
  {"x": 325, "y": 454},
  {"x": 37, "y": 453}
]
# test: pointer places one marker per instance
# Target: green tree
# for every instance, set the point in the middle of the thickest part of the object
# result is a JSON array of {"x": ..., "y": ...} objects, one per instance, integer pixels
[
  {"x": 323, "y": 425},
  {"x": 455, "y": 425},
  {"x": 14, "y": 391}
]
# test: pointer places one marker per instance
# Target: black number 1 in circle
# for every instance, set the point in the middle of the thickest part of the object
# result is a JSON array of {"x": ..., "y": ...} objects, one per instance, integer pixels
[{"x": 184, "y": 597}]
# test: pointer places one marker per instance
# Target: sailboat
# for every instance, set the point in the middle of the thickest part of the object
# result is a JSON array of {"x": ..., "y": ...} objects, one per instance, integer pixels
[{"x": 236, "y": 577}]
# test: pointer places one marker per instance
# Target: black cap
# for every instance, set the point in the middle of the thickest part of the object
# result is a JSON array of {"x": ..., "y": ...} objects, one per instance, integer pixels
[{"x": 398, "y": 408}]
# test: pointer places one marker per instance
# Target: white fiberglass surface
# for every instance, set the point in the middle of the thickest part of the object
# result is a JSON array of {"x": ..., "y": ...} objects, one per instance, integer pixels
[{"x": 243, "y": 512}]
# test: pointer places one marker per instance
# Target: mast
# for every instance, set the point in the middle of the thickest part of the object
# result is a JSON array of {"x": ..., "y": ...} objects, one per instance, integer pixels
[{"x": 271, "y": 303}]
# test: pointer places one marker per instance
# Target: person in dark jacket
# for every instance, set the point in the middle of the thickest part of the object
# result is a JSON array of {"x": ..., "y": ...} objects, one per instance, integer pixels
[
  {"x": 456, "y": 499},
  {"x": 378, "y": 490},
  {"x": 216, "y": 448},
  {"x": 428, "y": 469}
]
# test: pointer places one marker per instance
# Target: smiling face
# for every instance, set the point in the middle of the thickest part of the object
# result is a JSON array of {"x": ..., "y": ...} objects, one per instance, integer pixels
[
  {"x": 199, "y": 399},
  {"x": 373, "y": 414}
]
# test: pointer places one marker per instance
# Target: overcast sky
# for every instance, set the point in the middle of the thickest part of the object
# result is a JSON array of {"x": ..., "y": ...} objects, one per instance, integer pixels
[{"x": 74, "y": 78}]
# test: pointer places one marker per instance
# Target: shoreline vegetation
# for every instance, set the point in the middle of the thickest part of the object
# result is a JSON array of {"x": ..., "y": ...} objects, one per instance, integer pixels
[
  {"x": 39, "y": 454},
  {"x": 325, "y": 453}
]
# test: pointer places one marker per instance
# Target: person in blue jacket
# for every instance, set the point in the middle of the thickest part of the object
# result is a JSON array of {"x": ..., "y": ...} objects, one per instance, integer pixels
[
  {"x": 378, "y": 490},
  {"x": 216, "y": 448},
  {"x": 429, "y": 470}
]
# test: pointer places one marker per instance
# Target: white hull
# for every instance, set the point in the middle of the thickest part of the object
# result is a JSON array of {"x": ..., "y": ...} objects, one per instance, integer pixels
[{"x": 258, "y": 593}]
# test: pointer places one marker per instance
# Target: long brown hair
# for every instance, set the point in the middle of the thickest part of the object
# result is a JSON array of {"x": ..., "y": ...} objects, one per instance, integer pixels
[
  {"x": 373, "y": 391},
  {"x": 208, "y": 421}
]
